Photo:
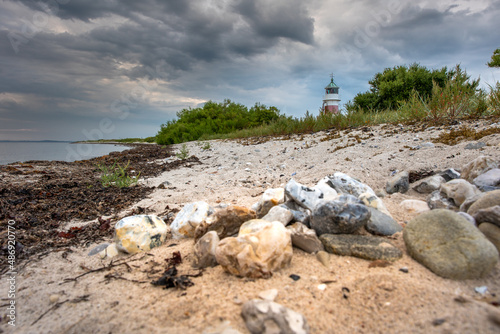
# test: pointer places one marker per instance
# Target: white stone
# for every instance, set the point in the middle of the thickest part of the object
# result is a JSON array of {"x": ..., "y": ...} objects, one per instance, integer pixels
[
  {"x": 375, "y": 202},
  {"x": 270, "y": 198},
  {"x": 139, "y": 233},
  {"x": 109, "y": 252},
  {"x": 302, "y": 195},
  {"x": 414, "y": 206},
  {"x": 269, "y": 295},
  {"x": 186, "y": 221},
  {"x": 280, "y": 214},
  {"x": 329, "y": 194}
]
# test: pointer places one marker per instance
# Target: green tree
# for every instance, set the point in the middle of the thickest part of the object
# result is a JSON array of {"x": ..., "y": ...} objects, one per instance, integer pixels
[{"x": 495, "y": 59}]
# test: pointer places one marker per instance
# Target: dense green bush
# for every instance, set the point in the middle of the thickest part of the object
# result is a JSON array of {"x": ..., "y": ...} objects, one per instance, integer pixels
[{"x": 214, "y": 118}]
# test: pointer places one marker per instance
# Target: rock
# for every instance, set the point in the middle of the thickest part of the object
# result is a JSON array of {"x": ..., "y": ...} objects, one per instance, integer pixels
[
  {"x": 305, "y": 238},
  {"x": 280, "y": 214},
  {"x": 304, "y": 196},
  {"x": 109, "y": 252},
  {"x": 269, "y": 295},
  {"x": 266, "y": 317},
  {"x": 488, "y": 215},
  {"x": 475, "y": 146},
  {"x": 436, "y": 200},
  {"x": 270, "y": 198},
  {"x": 300, "y": 215},
  {"x": 344, "y": 184},
  {"x": 477, "y": 167},
  {"x": 449, "y": 245},
  {"x": 324, "y": 258},
  {"x": 338, "y": 217},
  {"x": 489, "y": 179},
  {"x": 329, "y": 193},
  {"x": 429, "y": 184},
  {"x": 374, "y": 202},
  {"x": 188, "y": 219},
  {"x": 260, "y": 248},
  {"x": 450, "y": 174},
  {"x": 464, "y": 207},
  {"x": 54, "y": 298},
  {"x": 362, "y": 246},
  {"x": 488, "y": 200},
  {"x": 459, "y": 190},
  {"x": 226, "y": 222},
  {"x": 140, "y": 233},
  {"x": 469, "y": 218},
  {"x": 399, "y": 183},
  {"x": 414, "y": 206},
  {"x": 204, "y": 250},
  {"x": 492, "y": 233},
  {"x": 381, "y": 224},
  {"x": 99, "y": 248}
]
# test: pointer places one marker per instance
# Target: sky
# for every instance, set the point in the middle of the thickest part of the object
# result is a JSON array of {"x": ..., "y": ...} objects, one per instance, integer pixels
[{"x": 76, "y": 70}]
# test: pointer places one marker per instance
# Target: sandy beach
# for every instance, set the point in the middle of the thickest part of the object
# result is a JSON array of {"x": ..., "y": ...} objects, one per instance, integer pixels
[{"x": 117, "y": 295}]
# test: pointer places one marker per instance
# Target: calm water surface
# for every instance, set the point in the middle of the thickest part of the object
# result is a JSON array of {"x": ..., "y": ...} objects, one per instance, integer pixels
[{"x": 61, "y": 151}]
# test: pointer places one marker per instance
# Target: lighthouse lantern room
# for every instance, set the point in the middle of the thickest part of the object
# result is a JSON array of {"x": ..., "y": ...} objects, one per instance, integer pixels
[{"x": 331, "y": 99}]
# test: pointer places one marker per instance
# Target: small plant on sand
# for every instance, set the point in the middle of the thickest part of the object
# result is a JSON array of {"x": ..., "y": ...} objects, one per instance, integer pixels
[
  {"x": 183, "y": 153},
  {"x": 206, "y": 146},
  {"x": 116, "y": 175}
]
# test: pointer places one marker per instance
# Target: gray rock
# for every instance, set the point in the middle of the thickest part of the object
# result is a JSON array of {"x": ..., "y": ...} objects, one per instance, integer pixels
[
  {"x": 449, "y": 245},
  {"x": 338, "y": 217},
  {"x": 362, "y": 246},
  {"x": 204, "y": 250},
  {"x": 300, "y": 215},
  {"x": 429, "y": 184},
  {"x": 478, "y": 166},
  {"x": 280, "y": 214},
  {"x": 464, "y": 207},
  {"x": 437, "y": 200},
  {"x": 381, "y": 224},
  {"x": 97, "y": 249},
  {"x": 304, "y": 196},
  {"x": 475, "y": 146},
  {"x": 266, "y": 317},
  {"x": 469, "y": 218},
  {"x": 399, "y": 183},
  {"x": 489, "y": 179},
  {"x": 450, "y": 174},
  {"x": 305, "y": 238},
  {"x": 488, "y": 215},
  {"x": 492, "y": 233},
  {"x": 488, "y": 200},
  {"x": 344, "y": 184},
  {"x": 459, "y": 190}
]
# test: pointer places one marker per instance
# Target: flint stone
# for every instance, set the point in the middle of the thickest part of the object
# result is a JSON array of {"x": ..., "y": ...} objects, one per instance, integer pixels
[
  {"x": 188, "y": 219},
  {"x": 414, "y": 206},
  {"x": 300, "y": 215},
  {"x": 488, "y": 215},
  {"x": 260, "y": 248},
  {"x": 329, "y": 193},
  {"x": 475, "y": 146},
  {"x": 489, "y": 179},
  {"x": 226, "y": 222},
  {"x": 204, "y": 250},
  {"x": 266, "y": 317},
  {"x": 109, "y": 252},
  {"x": 459, "y": 190},
  {"x": 477, "y": 167},
  {"x": 450, "y": 246},
  {"x": 140, "y": 233},
  {"x": 381, "y": 224},
  {"x": 399, "y": 183},
  {"x": 488, "y": 200},
  {"x": 336, "y": 217},
  {"x": 98, "y": 248},
  {"x": 374, "y": 202},
  {"x": 429, "y": 184},
  {"x": 344, "y": 184},
  {"x": 270, "y": 198},
  {"x": 304, "y": 196},
  {"x": 492, "y": 233},
  {"x": 305, "y": 238},
  {"x": 450, "y": 174},
  {"x": 280, "y": 214},
  {"x": 362, "y": 246},
  {"x": 436, "y": 200}
]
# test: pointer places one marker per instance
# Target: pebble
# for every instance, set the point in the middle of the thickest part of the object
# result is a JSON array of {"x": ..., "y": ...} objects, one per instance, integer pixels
[
  {"x": 226, "y": 221},
  {"x": 324, "y": 258},
  {"x": 279, "y": 213},
  {"x": 488, "y": 215},
  {"x": 488, "y": 200},
  {"x": 399, "y": 183},
  {"x": 98, "y": 248},
  {"x": 140, "y": 233},
  {"x": 262, "y": 316},
  {"x": 489, "y": 179},
  {"x": 305, "y": 238},
  {"x": 188, "y": 219},
  {"x": 54, "y": 298},
  {"x": 374, "y": 202},
  {"x": 429, "y": 184},
  {"x": 362, "y": 246},
  {"x": 269, "y": 295},
  {"x": 270, "y": 198},
  {"x": 304, "y": 196},
  {"x": 414, "y": 206},
  {"x": 110, "y": 252},
  {"x": 437, "y": 200},
  {"x": 204, "y": 250},
  {"x": 404, "y": 270},
  {"x": 381, "y": 224},
  {"x": 459, "y": 190},
  {"x": 492, "y": 233},
  {"x": 449, "y": 245},
  {"x": 475, "y": 146},
  {"x": 344, "y": 184},
  {"x": 339, "y": 217},
  {"x": 450, "y": 174},
  {"x": 478, "y": 166}
]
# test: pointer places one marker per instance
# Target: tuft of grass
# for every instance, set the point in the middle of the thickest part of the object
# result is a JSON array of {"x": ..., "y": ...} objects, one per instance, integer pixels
[
  {"x": 463, "y": 133},
  {"x": 183, "y": 153},
  {"x": 116, "y": 175}
]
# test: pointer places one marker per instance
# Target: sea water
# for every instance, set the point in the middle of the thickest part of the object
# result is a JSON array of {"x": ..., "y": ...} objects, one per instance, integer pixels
[{"x": 59, "y": 151}]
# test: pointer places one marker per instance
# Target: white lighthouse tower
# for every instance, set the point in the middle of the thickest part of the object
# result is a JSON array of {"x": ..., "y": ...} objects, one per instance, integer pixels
[{"x": 331, "y": 99}]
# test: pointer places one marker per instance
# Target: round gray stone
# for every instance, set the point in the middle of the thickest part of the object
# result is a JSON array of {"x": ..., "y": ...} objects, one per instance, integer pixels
[
  {"x": 381, "y": 224},
  {"x": 449, "y": 245},
  {"x": 337, "y": 217}
]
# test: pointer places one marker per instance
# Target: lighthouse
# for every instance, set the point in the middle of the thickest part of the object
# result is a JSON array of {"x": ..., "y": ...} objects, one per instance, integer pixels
[{"x": 331, "y": 99}]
